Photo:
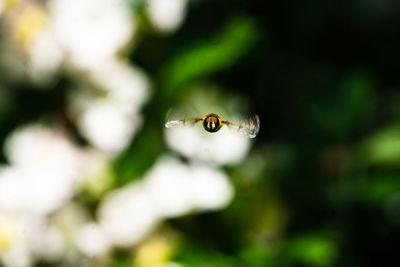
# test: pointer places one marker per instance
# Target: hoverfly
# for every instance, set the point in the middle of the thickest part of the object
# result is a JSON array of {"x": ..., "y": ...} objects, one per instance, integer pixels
[{"x": 213, "y": 122}]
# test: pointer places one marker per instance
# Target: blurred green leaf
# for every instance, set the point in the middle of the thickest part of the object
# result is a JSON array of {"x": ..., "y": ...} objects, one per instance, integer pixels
[
  {"x": 341, "y": 110},
  {"x": 258, "y": 255},
  {"x": 206, "y": 57},
  {"x": 121, "y": 263},
  {"x": 140, "y": 155},
  {"x": 194, "y": 255},
  {"x": 382, "y": 148},
  {"x": 380, "y": 188},
  {"x": 210, "y": 260},
  {"x": 313, "y": 250}
]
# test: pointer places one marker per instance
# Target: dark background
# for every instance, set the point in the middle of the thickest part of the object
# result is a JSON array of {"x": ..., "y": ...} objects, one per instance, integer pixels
[{"x": 323, "y": 77}]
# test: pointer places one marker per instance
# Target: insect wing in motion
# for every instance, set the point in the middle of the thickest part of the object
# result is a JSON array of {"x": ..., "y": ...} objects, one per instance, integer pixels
[
  {"x": 184, "y": 122},
  {"x": 249, "y": 127}
]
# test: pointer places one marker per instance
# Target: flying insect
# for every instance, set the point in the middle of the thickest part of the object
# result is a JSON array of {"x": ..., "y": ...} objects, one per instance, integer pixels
[{"x": 212, "y": 123}]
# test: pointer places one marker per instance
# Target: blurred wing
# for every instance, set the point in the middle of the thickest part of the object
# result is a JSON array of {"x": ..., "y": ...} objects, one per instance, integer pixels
[
  {"x": 249, "y": 127},
  {"x": 185, "y": 122}
]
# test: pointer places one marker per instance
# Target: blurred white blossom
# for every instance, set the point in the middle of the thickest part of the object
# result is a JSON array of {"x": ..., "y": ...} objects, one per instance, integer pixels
[
  {"x": 177, "y": 188},
  {"x": 23, "y": 233},
  {"x": 35, "y": 52},
  {"x": 127, "y": 215},
  {"x": 168, "y": 183},
  {"x": 170, "y": 189},
  {"x": 50, "y": 244},
  {"x": 111, "y": 119},
  {"x": 211, "y": 188},
  {"x": 222, "y": 147},
  {"x": 43, "y": 173},
  {"x": 8, "y": 231},
  {"x": 87, "y": 34},
  {"x": 27, "y": 20},
  {"x": 167, "y": 15},
  {"x": 91, "y": 31},
  {"x": 38, "y": 147},
  {"x": 108, "y": 127},
  {"x": 46, "y": 55},
  {"x": 62, "y": 229},
  {"x": 92, "y": 241},
  {"x": 42, "y": 177},
  {"x": 125, "y": 85}
]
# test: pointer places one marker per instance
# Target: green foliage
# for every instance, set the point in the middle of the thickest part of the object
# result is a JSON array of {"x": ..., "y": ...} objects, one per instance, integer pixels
[
  {"x": 312, "y": 250},
  {"x": 206, "y": 57},
  {"x": 140, "y": 155},
  {"x": 192, "y": 256},
  {"x": 344, "y": 108},
  {"x": 378, "y": 189},
  {"x": 382, "y": 147}
]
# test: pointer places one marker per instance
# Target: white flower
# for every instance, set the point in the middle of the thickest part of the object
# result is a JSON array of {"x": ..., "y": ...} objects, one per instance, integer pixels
[
  {"x": 46, "y": 55},
  {"x": 211, "y": 188},
  {"x": 91, "y": 31},
  {"x": 178, "y": 188},
  {"x": 36, "y": 147},
  {"x": 126, "y": 86},
  {"x": 110, "y": 122},
  {"x": 170, "y": 189},
  {"x": 36, "y": 191},
  {"x": 169, "y": 185},
  {"x": 22, "y": 230},
  {"x": 50, "y": 243},
  {"x": 92, "y": 241},
  {"x": 127, "y": 215},
  {"x": 44, "y": 170},
  {"x": 8, "y": 231},
  {"x": 108, "y": 127},
  {"x": 222, "y": 147},
  {"x": 167, "y": 15}
]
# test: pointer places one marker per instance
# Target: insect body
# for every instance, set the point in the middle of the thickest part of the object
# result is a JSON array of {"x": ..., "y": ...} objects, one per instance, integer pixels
[{"x": 213, "y": 122}]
